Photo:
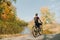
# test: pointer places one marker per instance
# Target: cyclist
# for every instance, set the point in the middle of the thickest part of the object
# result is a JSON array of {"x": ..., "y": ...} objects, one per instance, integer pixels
[{"x": 36, "y": 21}]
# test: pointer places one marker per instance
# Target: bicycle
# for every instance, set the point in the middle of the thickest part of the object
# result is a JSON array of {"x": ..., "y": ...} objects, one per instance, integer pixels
[{"x": 36, "y": 31}]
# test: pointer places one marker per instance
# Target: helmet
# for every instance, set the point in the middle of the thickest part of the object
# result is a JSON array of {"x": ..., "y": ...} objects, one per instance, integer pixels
[{"x": 36, "y": 14}]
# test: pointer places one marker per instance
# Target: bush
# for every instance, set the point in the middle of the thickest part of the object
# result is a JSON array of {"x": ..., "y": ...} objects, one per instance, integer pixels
[{"x": 11, "y": 27}]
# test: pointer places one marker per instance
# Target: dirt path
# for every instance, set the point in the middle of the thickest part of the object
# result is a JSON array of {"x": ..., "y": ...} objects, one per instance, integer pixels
[
  {"x": 23, "y": 37},
  {"x": 30, "y": 37}
]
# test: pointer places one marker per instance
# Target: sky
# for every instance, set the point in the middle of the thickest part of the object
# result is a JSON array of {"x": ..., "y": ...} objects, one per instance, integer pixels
[{"x": 27, "y": 8}]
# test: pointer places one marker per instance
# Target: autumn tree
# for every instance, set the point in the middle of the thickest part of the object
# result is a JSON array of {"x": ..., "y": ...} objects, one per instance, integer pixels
[
  {"x": 8, "y": 19},
  {"x": 47, "y": 16}
]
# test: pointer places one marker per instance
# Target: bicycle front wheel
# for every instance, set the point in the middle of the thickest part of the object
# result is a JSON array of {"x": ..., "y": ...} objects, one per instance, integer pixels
[{"x": 34, "y": 31}]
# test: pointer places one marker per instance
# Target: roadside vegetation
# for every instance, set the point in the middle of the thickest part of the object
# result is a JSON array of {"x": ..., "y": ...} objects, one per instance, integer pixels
[{"x": 9, "y": 22}]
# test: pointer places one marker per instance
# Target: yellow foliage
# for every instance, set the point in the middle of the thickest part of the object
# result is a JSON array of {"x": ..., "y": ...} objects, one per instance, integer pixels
[
  {"x": 4, "y": 4},
  {"x": 44, "y": 10},
  {"x": 9, "y": 11},
  {"x": 47, "y": 32},
  {"x": 3, "y": 16}
]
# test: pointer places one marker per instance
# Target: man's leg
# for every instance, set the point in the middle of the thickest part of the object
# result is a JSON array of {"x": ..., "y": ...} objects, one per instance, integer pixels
[{"x": 39, "y": 30}]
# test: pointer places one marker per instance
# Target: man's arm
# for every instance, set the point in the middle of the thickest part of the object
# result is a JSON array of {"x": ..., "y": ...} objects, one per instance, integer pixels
[{"x": 39, "y": 20}]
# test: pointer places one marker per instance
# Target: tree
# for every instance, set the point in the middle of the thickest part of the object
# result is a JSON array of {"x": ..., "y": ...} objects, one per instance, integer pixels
[
  {"x": 8, "y": 19},
  {"x": 47, "y": 16}
]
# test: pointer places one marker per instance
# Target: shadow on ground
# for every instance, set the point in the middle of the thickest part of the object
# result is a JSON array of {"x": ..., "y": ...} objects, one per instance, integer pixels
[
  {"x": 56, "y": 37},
  {"x": 52, "y": 37}
]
